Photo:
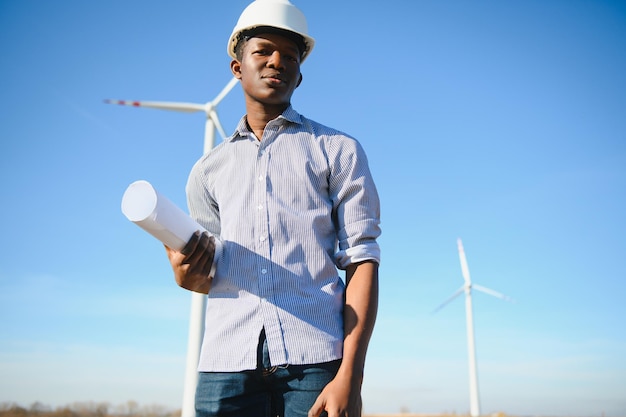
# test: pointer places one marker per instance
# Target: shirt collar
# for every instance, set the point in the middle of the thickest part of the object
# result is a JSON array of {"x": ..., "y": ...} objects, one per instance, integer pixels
[{"x": 290, "y": 115}]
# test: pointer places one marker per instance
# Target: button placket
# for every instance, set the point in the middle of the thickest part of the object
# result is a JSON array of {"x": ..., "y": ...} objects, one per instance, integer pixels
[
  {"x": 262, "y": 227},
  {"x": 265, "y": 281}
]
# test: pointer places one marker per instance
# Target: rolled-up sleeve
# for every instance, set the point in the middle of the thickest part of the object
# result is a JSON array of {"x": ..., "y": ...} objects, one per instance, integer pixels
[{"x": 356, "y": 205}]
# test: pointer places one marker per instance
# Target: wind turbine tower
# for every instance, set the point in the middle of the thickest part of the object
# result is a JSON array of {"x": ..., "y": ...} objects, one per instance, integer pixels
[
  {"x": 467, "y": 288},
  {"x": 198, "y": 301}
]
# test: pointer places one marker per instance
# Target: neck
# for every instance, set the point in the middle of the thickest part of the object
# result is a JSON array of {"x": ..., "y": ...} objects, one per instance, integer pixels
[{"x": 259, "y": 115}]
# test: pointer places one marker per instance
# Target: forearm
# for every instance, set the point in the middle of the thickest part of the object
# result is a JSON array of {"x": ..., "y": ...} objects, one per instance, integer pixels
[{"x": 359, "y": 317}]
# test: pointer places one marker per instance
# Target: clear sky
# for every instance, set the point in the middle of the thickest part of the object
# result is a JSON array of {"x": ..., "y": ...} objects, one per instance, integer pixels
[{"x": 500, "y": 122}]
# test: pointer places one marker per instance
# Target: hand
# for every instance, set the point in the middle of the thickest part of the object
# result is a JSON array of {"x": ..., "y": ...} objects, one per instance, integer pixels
[
  {"x": 192, "y": 265},
  {"x": 340, "y": 398}
]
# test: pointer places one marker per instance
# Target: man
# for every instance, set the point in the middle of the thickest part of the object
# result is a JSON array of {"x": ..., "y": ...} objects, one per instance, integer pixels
[{"x": 287, "y": 201}]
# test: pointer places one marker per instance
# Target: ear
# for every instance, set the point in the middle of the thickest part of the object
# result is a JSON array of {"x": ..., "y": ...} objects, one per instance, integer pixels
[
  {"x": 235, "y": 68},
  {"x": 299, "y": 81}
]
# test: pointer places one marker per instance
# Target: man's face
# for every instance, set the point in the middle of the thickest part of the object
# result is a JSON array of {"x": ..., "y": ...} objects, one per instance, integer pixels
[{"x": 269, "y": 69}]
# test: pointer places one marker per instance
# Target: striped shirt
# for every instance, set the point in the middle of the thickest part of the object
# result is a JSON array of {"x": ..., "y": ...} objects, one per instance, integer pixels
[{"x": 290, "y": 210}]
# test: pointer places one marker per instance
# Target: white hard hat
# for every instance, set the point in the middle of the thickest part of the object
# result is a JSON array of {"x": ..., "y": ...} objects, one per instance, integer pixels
[{"x": 279, "y": 14}]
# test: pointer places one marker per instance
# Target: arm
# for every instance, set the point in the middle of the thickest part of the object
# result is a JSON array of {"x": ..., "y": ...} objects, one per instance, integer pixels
[
  {"x": 342, "y": 396},
  {"x": 192, "y": 265}
]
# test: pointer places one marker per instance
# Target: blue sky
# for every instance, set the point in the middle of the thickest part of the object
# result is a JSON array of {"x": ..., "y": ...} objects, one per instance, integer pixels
[{"x": 503, "y": 123}]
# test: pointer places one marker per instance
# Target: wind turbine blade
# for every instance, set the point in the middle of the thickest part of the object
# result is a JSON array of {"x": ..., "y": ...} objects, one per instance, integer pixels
[
  {"x": 452, "y": 297},
  {"x": 464, "y": 267},
  {"x": 218, "y": 125},
  {"x": 225, "y": 91},
  {"x": 162, "y": 105},
  {"x": 492, "y": 292}
]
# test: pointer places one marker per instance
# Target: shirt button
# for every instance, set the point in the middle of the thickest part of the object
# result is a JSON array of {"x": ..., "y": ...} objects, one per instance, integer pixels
[
  {"x": 260, "y": 207},
  {"x": 260, "y": 177},
  {"x": 262, "y": 238},
  {"x": 264, "y": 271}
]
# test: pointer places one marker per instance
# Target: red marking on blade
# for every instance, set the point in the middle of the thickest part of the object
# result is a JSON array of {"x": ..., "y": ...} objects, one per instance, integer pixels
[{"x": 136, "y": 103}]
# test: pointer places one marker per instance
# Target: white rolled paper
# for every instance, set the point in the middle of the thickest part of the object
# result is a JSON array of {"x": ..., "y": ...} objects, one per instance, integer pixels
[{"x": 157, "y": 215}]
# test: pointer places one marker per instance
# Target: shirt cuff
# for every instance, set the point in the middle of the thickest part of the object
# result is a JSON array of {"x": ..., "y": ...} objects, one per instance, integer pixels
[
  {"x": 358, "y": 254},
  {"x": 219, "y": 248}
]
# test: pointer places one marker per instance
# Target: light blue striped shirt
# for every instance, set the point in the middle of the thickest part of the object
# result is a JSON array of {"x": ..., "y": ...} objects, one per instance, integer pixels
[{"x": 290, "y": 210}]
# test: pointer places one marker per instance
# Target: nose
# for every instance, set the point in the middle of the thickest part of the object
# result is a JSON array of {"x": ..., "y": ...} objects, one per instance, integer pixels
[{"x": 275, "y": 60}]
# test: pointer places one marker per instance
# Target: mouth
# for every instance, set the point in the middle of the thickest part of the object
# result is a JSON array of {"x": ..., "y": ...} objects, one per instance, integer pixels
[{"x": 275, "y": 79}]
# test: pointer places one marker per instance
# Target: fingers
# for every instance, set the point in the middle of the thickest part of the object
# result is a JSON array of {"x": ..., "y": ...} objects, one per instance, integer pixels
[
  {"x": 335, "y": 406},
  {"x": 192, "y": 264},
  {"x": 317, "y": 408},
  {"x": 191, "y": 245},
  {"x": 199, "y": 251}
]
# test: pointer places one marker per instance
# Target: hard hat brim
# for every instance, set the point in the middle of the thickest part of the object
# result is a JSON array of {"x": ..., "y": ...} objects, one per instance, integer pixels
[{"x": 305, "y": 43}]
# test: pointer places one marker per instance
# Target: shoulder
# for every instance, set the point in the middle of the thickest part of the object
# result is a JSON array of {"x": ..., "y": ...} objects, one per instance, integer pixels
[
  {"x": 320, "y": 129},
  {"x": 298, "y": 123},
  {"x": 209, "y": 162},
  {"x": 332, "y": 139}
]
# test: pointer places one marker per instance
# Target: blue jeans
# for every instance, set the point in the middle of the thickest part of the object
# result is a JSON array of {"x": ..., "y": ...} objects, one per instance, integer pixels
[{"x": 268, "y": 391}]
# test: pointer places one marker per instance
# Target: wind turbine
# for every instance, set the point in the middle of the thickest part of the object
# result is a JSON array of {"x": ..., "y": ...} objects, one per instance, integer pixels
[
  {"x": 471, "y": 345},
  {"x": 198, "y": 301},
  {"x": 209, "y": 108}
]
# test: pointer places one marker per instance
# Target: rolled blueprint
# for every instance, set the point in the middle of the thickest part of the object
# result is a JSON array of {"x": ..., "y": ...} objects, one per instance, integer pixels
[{"x": 157, "y": 215}]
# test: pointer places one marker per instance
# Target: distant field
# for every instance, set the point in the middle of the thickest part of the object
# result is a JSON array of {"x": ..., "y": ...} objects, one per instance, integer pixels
[
  {"x": 431, "y": 415},
  {"x": 454, "y": 415},
  {"x": 133, "y": 409}
]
